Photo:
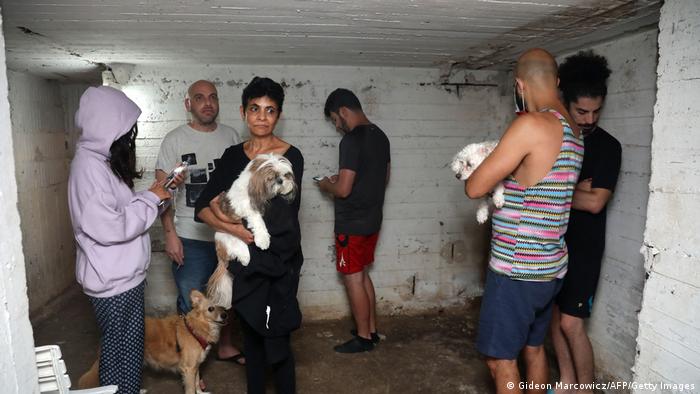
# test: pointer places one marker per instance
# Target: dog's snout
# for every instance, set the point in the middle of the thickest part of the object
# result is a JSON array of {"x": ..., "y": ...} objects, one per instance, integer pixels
[
  {"x": 279, "y": 181},
  {"x": 224, "y": 315}
]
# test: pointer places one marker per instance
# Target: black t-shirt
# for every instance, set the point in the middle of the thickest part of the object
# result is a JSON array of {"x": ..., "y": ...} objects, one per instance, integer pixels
[
  {"x": 364, "y": 150},
  {"x": 272, "y": 277},
  {"x": 601, "y": 163}
]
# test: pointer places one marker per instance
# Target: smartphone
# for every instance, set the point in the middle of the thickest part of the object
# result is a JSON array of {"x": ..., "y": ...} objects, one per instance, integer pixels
[
  {"x": 171, "y": 177},
  {"x": 180, "y": 168},
  {"x": 318, "y": 178}
]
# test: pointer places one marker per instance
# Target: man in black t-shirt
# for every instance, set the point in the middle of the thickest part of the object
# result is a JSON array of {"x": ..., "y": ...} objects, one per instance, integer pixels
[
  {"x": 358, "y": 189},
  {"x": 583, "y": 83}
]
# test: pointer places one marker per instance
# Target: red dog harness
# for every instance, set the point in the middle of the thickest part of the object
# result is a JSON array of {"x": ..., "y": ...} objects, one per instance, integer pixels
[{"x": 199, "y": 339}]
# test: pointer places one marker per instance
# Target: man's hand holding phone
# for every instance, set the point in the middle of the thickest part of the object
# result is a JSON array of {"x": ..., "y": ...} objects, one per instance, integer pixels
[{"x": 331, "y": 179}]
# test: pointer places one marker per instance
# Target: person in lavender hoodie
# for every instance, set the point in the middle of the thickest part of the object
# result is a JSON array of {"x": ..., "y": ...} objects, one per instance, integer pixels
[{"x": 110, "y": 223}]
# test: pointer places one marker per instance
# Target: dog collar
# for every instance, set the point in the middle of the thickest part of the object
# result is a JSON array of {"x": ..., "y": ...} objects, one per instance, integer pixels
[{"x": 199, "y": 339}]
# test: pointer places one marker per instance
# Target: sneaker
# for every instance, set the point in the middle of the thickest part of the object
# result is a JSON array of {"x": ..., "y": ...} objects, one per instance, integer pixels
[
  {"x": 374, "y": 335},
  {"x": 355, "y": 345}
]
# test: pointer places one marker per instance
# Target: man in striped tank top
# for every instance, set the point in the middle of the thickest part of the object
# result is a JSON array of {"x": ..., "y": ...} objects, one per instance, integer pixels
[{"x": 538, "y": 159}]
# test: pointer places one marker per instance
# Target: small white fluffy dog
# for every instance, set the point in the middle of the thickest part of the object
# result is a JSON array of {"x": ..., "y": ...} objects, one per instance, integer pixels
[
  {"x": 266, "y": 176},
  {"x": 466, "y": 161}
]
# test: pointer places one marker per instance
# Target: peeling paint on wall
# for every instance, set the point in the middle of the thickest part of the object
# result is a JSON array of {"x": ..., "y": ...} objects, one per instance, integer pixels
[
  {"x": 668, "y": 343},
  {"x": 41, "y": 134},
  {"x": 426, "y": 125}
]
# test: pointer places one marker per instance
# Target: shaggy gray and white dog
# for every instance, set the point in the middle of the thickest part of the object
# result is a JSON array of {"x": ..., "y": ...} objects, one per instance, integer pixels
[{"x": 265, "y": 177}]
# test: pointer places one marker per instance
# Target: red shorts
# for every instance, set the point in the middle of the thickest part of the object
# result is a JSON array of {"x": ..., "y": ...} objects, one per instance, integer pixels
[{"x": 354, "y": 252}]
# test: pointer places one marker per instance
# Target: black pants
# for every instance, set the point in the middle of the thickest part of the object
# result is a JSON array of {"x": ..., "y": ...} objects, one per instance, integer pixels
[{"x": 256, "y": 364}]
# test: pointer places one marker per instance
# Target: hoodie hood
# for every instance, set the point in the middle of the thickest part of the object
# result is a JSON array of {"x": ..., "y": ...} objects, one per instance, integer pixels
[{"x": 104, "y": 115}]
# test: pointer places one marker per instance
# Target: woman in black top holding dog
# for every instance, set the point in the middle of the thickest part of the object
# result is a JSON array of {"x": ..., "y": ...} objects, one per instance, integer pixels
[{"x": 272, "y": 277}]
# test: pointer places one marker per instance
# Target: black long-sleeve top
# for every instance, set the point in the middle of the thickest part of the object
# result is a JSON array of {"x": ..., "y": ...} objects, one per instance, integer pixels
[{"x": 272, "y": 277}]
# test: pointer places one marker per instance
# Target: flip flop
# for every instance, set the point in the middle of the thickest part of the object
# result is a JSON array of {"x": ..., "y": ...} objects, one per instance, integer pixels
[{"x": 237, "y": 359}]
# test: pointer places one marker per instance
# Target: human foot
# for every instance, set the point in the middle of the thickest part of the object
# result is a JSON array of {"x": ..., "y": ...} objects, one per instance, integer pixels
[{"x": 236, "y": 359}]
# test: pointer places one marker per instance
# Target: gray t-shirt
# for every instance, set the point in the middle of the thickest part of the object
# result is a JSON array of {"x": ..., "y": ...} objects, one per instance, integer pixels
[{"x": 203, "y": 150}]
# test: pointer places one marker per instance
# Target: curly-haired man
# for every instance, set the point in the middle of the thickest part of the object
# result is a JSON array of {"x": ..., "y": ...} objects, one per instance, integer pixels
[{"x": 583, "y": 82}]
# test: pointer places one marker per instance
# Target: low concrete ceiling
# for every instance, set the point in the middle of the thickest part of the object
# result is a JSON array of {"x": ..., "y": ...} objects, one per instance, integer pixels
[{"x": 71, "y": 39}]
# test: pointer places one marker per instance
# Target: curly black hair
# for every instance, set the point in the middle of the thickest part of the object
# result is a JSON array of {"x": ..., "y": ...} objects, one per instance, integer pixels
[
  {"x": 122, "y": 158},
  {"x": 584, "y": 74}
]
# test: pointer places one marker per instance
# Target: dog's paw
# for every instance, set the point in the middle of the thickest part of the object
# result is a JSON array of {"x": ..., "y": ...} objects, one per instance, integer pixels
[
  {"x": 243, "y": 256},
  {"x": 482, "y": 214},
  {"x": 262, "y": 240},
  {"x": 499, "y": 200},
  {"x": 499, "y": 197}
]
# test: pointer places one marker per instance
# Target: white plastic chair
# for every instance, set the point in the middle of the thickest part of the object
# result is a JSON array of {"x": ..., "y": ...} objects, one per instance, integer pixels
[{"x": 53, "y": 375}]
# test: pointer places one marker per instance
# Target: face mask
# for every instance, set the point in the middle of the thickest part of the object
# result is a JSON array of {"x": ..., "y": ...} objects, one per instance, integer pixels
[{"x": 519, "y": 101}]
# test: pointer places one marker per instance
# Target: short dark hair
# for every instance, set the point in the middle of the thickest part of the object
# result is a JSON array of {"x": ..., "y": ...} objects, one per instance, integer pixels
[
  {"x": 261, "y": 87},
  {"x": 341, "y": 98},
  {"x": 584, "y": 74}
]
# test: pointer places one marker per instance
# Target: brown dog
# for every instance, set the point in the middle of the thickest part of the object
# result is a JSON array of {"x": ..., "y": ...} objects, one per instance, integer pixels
[{"x": 176, "y": 343}]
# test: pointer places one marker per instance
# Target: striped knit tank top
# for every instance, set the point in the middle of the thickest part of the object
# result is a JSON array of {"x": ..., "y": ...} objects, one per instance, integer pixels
[{"x": 528, "y": 231}]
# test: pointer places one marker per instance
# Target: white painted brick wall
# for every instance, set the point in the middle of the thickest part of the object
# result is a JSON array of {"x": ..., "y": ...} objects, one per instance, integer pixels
[
  {"x": 17, "y": 371},
  {"x": 426, "y": 209},
  {"x": 42, "y": 133},
  {"x": 627, "y": 115},
  {"x": 669, "y": 322}
]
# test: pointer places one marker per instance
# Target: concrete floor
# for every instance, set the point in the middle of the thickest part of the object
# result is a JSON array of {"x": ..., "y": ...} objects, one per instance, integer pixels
[{"x": 432, "y": 353}]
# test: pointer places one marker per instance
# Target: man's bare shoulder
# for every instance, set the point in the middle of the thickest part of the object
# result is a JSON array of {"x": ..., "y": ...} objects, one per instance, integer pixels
[{"x": 534, "y": 125}]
